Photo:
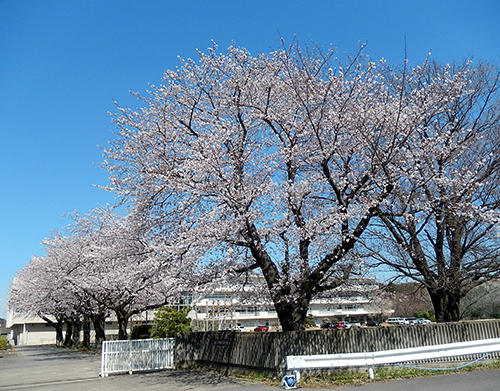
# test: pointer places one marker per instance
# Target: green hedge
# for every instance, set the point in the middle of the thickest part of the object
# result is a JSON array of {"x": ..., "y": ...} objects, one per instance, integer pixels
[{"x": 141, "y": 331}]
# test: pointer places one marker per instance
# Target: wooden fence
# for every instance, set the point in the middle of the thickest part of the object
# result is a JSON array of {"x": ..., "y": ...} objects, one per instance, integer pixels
[{"x": 268, "y": 351}]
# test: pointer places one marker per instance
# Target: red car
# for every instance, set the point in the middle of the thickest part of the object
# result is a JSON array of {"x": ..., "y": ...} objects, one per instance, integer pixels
[
  {"x": 261, "y": 328},
  {"x": 342, "y": 325}
]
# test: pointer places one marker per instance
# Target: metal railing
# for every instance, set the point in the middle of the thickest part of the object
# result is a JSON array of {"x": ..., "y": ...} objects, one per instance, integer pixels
[
  {"x": 137, "y": 355},
  {"x": 371, "y": 359}
]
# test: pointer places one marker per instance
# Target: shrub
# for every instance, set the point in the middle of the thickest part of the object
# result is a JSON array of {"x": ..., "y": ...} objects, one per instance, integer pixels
[
  {"x": 426, "y": 314},
  {"x": 3, "y": 343},
  {"x": 141, "y": 331},
  {"x": 169, "y": 321},
  {"x": 310, "y": 322}
]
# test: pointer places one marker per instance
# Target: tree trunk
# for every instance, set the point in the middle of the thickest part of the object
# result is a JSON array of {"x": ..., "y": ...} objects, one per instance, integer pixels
[
  {"x": 446, "y": 305},
  {"x": 59, "y": 333},
  {"x": 59, "y": 329},
  {"x": 77, "y": 326},
  {"x": 99, "y": 321},
  {"x": 69, "y": 334},
  {"x": 292, "y": 316},
  {"x": 122, "y": 318},
  {"x": 86, "y": 332}
]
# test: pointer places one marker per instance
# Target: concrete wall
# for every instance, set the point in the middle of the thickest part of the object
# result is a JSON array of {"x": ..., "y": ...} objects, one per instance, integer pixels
[
  {"x": 32, "y": 334},
  {"x": 268, "y": 351}
]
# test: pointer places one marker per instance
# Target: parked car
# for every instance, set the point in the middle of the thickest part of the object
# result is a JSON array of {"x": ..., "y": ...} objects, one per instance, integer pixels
[
  {"x": 328, "y": 326},
  {"x": 411, "y": 321},
  {"x": 261, "y": 328},
  {"x": 342, "y": 325},
  {"x": 423, "y": 321},
  {"x": 396, "y": 321},
  {"x": 373, "y": 323},
  {"x": 240, "y": 328}
]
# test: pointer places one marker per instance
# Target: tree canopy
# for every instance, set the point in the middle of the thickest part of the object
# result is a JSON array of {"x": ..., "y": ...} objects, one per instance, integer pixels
[
  {"x": 103, "y": 263},
  {"x": 293, "y": 164},
  {"x": 442, "y": 223},
  {"x": 279, "y": 162}
]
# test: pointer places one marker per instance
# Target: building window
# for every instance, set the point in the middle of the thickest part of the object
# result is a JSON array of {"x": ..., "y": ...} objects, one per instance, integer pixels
[
  {"x": 246, "y": 310},
  {"x": 219, "y": 296}
]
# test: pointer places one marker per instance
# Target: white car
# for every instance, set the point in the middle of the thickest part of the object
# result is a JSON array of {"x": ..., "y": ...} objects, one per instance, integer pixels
[
  {"x": 397, "y": 321},
  {"x": 423, "y": 321}
]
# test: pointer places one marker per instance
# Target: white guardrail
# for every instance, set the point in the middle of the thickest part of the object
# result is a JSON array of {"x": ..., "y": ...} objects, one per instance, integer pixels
[
  {"x": 371, "y": 359},
  {"x": 137, "y": 355}
]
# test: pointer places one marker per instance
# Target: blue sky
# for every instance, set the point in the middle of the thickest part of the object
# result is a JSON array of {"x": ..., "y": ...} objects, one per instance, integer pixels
[{"x": 63, "y": 62}]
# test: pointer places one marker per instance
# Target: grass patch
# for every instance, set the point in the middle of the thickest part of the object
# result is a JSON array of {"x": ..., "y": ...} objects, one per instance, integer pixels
[
  {"x": 343, "y": 378},
  {"x": 383, "y": 374},
  {"x": 336, "y": 379}
]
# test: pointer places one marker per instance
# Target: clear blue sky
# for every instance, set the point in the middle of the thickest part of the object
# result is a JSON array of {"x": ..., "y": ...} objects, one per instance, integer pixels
[{"x": 63, "y": 62}]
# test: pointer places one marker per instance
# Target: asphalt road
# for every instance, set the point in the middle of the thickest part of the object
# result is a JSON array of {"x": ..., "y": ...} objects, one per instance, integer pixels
[
  {"x": 49, "y": 368},
  {"x": 471, "y": 381}
]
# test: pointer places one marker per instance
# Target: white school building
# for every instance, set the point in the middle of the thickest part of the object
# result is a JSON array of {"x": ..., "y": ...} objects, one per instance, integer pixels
[{"x": 226, "y": 309}]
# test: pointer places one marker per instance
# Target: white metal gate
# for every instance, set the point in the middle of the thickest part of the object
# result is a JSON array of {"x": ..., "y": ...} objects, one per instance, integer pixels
[{"x": 137, "y": 355}]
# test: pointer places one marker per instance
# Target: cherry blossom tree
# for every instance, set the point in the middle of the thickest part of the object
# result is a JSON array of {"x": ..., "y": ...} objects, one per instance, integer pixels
[
  {"x": 38, "y": 290},
  {"x": 45, "y": 288},
  {"x": 66, "y": 253},
  {"x": 443, "y": 220},
  {"x": 119, "y": 268},
  {"x": 102, "y": 263},
  {"x": 276, "y": 162}
]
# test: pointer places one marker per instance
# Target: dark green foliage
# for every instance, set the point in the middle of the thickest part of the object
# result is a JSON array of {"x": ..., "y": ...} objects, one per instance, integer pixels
[
  {"x": 3, "y": 343},
  {"x": 476, "y": 313},
  {"x": 495, "y": 312},
  {"x": 428, "y": 314},
  {"x": 141, "y": 331},
  {"x": 310, "y": 321},
  {"x": 485, "y": 312},
  {"x": 170, "y": 321}
]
